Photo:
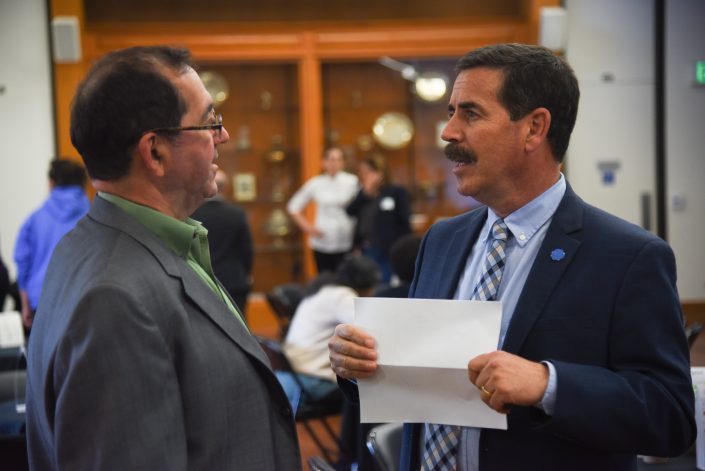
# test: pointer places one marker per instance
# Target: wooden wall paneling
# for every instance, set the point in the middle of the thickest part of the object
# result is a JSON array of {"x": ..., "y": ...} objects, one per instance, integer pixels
[
  {"x": 233, "y": 41},
  {"x": 303, "y": 44},
  {"x": 202, "y": 41},
  {"x": 430, "y": 40},
  {"x": 356, "y": 95},
  {"x": 303, "y": 13},
  {"x": 310, "y": 97},
  {"x": 694, "y": 312},
  {"x": 66, "y": 79},
  {"x": 262, "y": 115}
]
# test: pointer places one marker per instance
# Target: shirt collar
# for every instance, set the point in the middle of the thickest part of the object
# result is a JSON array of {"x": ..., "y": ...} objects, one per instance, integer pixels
[
  {"x": 527, "y": 220},
  {"x": 176, "y": 234}
]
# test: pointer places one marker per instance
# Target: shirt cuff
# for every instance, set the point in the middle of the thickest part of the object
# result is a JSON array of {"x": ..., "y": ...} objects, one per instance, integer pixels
[{"x": 548, "y": 401}]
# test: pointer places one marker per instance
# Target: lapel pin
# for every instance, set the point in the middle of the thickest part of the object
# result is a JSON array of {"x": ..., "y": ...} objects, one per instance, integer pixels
[{"x": 557, "y": 254}]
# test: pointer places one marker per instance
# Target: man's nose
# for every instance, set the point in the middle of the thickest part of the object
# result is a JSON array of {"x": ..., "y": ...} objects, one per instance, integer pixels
[
  {"x": 224, "y": 135},
  {"x": 449, "y": 133}
]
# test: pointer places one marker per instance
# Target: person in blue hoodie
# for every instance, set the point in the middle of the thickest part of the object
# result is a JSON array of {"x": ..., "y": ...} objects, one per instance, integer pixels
[{"x": 66, "y": 204}]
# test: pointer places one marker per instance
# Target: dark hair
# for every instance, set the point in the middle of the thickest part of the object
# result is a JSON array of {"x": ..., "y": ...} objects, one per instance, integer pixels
[
  {"x": 65, "y": 172},
  {"x": 534, "y": 77},
  {"x": 329, "y": 150},
  {"x": 359, "y": 273},
  {"x": 124, "y": 95},
  {"x": 402, "y": 256},
  {"x": 378, "y": 163}
]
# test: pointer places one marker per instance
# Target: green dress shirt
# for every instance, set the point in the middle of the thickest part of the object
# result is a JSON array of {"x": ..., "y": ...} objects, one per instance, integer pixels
[{"x": 188, "y": 239}]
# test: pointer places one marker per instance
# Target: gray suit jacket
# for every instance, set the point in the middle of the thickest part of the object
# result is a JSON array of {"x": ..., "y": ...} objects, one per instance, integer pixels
[{"x": 134, "y": 363}]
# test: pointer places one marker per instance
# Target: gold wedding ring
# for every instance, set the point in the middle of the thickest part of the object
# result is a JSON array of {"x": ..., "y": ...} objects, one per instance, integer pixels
[{"x": 485, "y": 391}]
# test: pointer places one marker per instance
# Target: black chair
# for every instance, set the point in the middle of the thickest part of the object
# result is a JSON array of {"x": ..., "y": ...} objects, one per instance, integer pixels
[
  {"x": 13, "y": 377},
  {"x": 692, "y": 331},
  {"x": 308, "y": 410},
  {"x": 284, "y": 299},
  {"x": 384, "y": 443},
  {"x": 317, "y": 463}
]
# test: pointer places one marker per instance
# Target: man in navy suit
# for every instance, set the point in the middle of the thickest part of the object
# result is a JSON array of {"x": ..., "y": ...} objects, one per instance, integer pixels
[{"x": 592, "y": 366}]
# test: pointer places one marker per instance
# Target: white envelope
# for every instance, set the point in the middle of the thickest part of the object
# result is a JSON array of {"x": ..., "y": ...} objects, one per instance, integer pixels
[{"x": 424, "y": 346}]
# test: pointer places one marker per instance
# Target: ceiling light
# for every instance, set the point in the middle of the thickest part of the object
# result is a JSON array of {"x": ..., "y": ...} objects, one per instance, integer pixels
[{"x": 430, "y": 86}]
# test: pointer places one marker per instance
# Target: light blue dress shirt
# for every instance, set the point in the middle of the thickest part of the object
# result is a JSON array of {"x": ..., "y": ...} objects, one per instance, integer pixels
[{"x": 528, "y": 226}]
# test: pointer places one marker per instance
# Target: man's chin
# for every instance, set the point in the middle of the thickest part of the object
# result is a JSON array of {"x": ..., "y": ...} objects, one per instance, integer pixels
[
  {"x": 463, "y": 187},
  {"x": 464, "y": 192},
  {"x": 210, "y": 192}
]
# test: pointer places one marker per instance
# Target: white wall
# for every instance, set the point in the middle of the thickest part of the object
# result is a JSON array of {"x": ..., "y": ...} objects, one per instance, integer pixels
[
  {"x": 685, "y": 144},
  {"x": 610, "y": 45},
  {"x": 616, "y": 120},
  {"x": 26, "y": 116}
]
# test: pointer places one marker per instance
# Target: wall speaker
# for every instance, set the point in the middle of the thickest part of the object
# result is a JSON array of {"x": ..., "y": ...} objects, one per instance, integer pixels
[
  {"x": 66, "y": 39},
  {"x": 553, "y": 28}
]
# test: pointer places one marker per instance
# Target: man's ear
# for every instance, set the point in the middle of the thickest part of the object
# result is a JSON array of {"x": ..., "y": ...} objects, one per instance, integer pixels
[
  {"x": 150, "y": 151},
  {"x": 539, "y": 122}
]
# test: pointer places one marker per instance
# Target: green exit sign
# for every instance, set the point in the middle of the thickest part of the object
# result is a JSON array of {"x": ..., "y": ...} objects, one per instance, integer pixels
[{"x": 700, "y": 72}]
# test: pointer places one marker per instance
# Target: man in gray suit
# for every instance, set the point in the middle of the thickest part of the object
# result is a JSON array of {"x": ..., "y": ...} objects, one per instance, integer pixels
[{"x": 139, "y": 359}]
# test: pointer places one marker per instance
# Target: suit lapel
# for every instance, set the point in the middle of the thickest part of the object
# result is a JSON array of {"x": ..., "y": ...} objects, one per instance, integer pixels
[
  {"x": 213, "y": 307},
  {"x": 196, "y": 289},
  {"x": 454, "y": 262},
  {"x": 546, "y": 272}
]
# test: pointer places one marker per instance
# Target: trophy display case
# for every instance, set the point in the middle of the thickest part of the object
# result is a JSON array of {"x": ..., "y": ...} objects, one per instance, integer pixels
[
  {"x": 259, "y": 104},
  {"x": 377, "y": 107},
  {"x": 291, "y": 78}
]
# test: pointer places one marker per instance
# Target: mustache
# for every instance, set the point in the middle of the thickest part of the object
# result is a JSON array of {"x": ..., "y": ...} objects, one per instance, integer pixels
[{"x": 456, "y": 153}]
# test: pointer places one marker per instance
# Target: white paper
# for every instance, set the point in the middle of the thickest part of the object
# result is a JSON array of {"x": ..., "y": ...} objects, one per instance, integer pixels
[
  {"x": 424, "y": 346},
  {"x": 698, "y": 376},
  {"x": 11, "y": 331}
]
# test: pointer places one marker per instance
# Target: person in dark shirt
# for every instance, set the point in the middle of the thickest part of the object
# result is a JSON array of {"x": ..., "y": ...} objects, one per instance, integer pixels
[
  {"x": 382, "y": 210},
  {"x": 402, "y": 257},
  {"x": 230, "y": 241}
]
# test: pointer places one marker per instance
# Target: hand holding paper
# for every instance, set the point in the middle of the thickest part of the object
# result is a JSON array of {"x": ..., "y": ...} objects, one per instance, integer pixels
[
  {"x": 352, "y": 353},
  {"x": 423, "y": 350},
  {"x": 509, "y": 379}
]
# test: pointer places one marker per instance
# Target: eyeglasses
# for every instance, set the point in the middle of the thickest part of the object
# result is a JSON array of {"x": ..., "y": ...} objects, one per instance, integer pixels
[{"x": 216, "y": 125}]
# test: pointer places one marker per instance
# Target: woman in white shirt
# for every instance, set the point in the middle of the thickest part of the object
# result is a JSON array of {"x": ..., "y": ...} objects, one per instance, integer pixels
[
  {"x": 306, "y": 344},
  {"x": 331, "y": 234}
]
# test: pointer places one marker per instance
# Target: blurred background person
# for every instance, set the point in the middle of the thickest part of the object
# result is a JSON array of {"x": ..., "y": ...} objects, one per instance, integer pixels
[
  {"x": 402, "y": 259},
  {"x": 306, "y": 343},
  {"x": 42, "y": 230},
  {"x": 230, "y": 240},
  {"x": 382, "y": 211},
  {"x": 353, "y": 434},
  {"x": 4, "y": 283},
  {"x": 331, "y": 234}
]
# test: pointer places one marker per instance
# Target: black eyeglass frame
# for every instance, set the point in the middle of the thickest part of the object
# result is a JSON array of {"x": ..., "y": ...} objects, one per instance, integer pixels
[{"x": 218, "y": 126}]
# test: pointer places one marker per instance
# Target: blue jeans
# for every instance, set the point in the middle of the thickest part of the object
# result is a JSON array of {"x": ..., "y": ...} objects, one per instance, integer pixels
[
  {"x": 376, "y": 254},
  {"x": 317, "y": 388}
]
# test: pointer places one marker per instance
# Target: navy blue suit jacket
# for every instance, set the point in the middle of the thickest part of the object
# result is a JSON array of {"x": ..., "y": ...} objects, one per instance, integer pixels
[{"x": 608, "y": 317}]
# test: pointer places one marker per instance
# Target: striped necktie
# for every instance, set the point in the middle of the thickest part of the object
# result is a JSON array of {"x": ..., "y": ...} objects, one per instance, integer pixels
[{"x": 441, "y": 443}]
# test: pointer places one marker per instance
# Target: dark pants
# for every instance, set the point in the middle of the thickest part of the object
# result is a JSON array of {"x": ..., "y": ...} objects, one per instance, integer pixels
[
  {"x": 353, "y": 438},
  {"x": 328, "y": 261},
  {"x": 382, "y": 261}
]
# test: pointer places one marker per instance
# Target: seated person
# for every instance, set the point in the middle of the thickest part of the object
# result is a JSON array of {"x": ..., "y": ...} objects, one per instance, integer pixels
[
  {"x": 402, "y": 258},
  {"x": 306, "y": 343},
  {"x": 4, "y": 283}
]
